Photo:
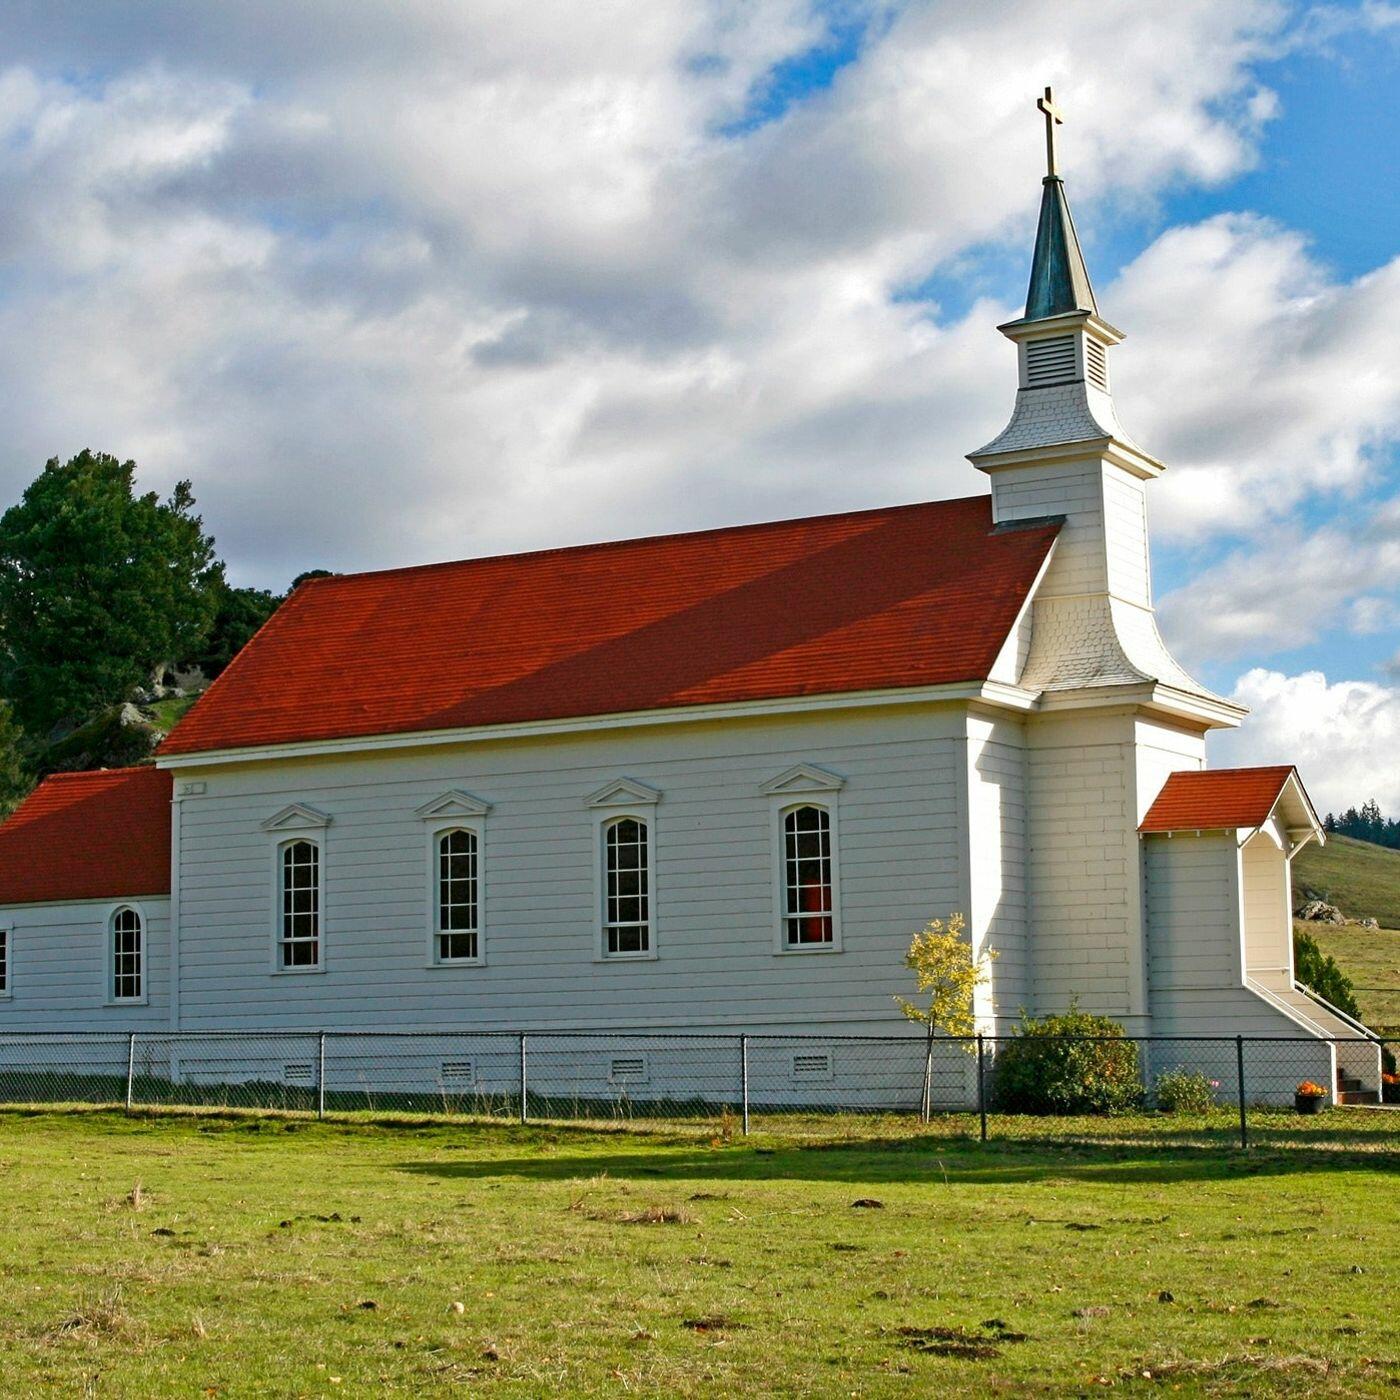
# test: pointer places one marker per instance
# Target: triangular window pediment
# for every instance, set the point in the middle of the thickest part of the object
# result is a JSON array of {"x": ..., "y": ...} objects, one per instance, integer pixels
[
  {"x": 624, "y": 792},
  {"x": 454, "y": 803},
  {"x": 803, "y": 777},
  {"x": 297, "y": 817}
]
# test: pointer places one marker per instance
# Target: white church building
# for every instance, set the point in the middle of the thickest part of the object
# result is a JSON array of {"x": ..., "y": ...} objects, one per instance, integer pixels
[{"x": 703, "y": 782}]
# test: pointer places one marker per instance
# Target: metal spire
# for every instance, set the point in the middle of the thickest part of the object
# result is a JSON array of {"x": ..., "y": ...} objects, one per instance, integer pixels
[{"x": 1059, "y": 280}]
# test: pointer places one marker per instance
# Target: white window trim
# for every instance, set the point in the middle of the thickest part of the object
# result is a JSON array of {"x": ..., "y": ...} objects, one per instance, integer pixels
[
  {"x": 297, "y": 822},
  {"x": 435, "y": 831},
  {"x": 7, "y": 934},
  {"x": 803, "y": 785},
  {"x": 616, "y": 801},
  {"x": 109, "y": 968}
]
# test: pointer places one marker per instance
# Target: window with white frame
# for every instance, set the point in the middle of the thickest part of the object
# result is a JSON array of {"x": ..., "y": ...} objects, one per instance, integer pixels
[
  {"x": 808, "y": 887},
  {"x": 128, "y": 952},
  {"x": 299, "y": 889},
  {"x": 626, "y": 887},
  {"x": 4, "y": 962},
  {"x": 456, "y": 937}
]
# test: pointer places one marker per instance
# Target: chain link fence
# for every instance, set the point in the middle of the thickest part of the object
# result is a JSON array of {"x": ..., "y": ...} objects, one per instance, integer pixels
[{"x": 993, "y": 1087}]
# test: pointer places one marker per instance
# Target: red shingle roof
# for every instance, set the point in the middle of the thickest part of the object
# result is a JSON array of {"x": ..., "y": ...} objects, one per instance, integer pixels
[
  {"x": 103, "y": 835},
  {"x": 910, "y": 596},
  {"x": 1223, "y": 797}
]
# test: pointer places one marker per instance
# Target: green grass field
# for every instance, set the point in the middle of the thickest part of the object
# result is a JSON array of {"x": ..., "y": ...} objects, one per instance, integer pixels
[
  {"x": 230, "y": 1257},
  {"x": 1363, "y": 881}
]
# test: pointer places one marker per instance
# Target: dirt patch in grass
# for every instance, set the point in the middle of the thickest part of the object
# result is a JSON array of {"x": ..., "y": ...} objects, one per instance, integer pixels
[
  {"x": 715, "y": 1322},
  {"x": 648, "y": 1215},
  {"x": 967, "y": 1344}
]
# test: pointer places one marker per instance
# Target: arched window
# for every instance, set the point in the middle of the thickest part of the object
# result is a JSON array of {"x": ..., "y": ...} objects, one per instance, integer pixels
[
  {"x": 299, "y": 945},
  {"x": 807, "y": 885},
  {"x": 457, "y": 902},
  {"x": 626, "y": 892},
  {"x": 127, "y": 954}
]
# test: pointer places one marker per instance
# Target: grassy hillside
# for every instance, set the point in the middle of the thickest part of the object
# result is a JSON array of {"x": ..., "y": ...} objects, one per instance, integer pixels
[{"x": 1363, "y": 881}]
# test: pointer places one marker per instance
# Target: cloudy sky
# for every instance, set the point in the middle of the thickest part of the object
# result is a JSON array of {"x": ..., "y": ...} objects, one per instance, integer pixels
[{"x": 412, "y": 281}]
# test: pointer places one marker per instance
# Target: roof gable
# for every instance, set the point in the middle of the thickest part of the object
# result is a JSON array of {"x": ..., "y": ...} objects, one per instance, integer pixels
[
  {"x": 1226, "y": 798},
  {"x": 910, "y": 596},
  {"x": 101, "y": 835}
]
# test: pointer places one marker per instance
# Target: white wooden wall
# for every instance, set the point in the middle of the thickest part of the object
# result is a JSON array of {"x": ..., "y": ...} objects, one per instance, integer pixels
[
  {"x": 59, "y": 976},
  {"x": 1268, "y": 914},
  {"x": 902, "y": 860},
  {"x": 996, "y": 902}
]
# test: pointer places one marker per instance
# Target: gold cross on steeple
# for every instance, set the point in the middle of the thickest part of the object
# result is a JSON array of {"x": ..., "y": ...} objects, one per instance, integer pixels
[{"x": 1052, "y": 120}]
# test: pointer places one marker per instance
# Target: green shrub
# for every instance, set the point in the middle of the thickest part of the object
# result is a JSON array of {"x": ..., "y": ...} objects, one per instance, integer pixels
[
  {"x": 1181, "y": 1091},
  {"x": 1072, "y": 1063},
  {"x": 1315, "y": 969}
]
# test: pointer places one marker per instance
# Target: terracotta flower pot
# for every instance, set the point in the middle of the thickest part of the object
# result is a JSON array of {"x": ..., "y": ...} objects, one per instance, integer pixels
[{"x": 1309, "y": 1103}]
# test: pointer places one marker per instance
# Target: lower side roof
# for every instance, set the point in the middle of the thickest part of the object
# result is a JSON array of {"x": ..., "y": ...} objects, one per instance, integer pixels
[{"x": 99, "y": 835}]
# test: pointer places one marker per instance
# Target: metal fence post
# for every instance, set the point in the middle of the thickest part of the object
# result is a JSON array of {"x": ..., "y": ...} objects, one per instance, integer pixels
[
  {"x": 744, "y": 1078},
  {"x": 321, "y": 1076},
  {"x": 982, "y": 1083},
  {"x": 1239, "y": 1080},
  {"x": 524, "y": 1084},
  {"x": 130, "y": 1070}
]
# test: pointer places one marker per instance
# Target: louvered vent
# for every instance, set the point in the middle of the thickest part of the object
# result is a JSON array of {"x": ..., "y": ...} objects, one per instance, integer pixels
[
  {"x": 297, "y": 1074},
  {"x": 1050, "y": 361},
  {"x": 1096, "y": 364},
  {"x": 811, "y": 1064},
  {"x": 456, "y": 1073},
  {"x": 627, "y": 1069}
]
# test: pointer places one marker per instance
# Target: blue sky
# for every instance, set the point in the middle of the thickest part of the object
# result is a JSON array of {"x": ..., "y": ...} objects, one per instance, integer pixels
[{"x": 394, "y": 284}]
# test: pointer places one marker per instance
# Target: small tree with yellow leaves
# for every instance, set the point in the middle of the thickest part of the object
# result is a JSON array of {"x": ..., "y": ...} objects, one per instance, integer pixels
[{"x": 948, "y": 977}]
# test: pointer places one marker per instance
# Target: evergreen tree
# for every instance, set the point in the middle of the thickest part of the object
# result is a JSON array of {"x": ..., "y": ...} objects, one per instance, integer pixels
[
  {"x": 98, "y": 587},
  {"x": 15, "y": 780}
]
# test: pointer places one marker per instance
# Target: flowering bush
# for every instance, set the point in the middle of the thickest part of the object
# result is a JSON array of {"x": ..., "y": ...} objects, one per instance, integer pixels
[
  {"x": 1071, "y": 1063},
  {"x": 1390, "y": 1088},
  {"x": 1308, "y": 1090},
  {"x": 1180, "y": 1091}
]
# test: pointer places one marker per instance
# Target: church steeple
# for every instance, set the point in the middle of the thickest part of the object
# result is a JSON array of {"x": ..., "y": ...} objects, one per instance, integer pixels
[
  {"x": 1059, "y": 280},
  {"x": 1062, "y": 342},
  {"x": 1064, "y": 453}
]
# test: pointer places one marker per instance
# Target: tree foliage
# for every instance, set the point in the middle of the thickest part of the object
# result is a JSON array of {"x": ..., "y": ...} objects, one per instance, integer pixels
[
  {"x": 947, "y": 977},
  {"x": 14, "y": 773},
  {"x": 238, "y": 613},
  {"x": 1368, "y": 824},
  {"x": 1318, "y": 970},
  {"x": 98, "y": 587}
]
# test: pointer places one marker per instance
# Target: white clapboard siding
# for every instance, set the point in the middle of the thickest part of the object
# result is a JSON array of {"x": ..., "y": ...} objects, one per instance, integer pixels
[
  {"x": 996, "y": 827},
  {"x": 1192, "y": 918},
  {"x": 902, "y": 860},
  {"x": 1125, "y": 519},
  {"x": 1268, "y": 913},
  {"x": 59, "y": 976},
  {"x": 1085, "y": 906}
]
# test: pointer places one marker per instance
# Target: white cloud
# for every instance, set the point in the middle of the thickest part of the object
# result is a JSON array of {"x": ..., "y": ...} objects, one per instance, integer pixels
[
  {"x": 1337, "y": 734},
  {"x": 417, "y": 281},
  {"x": 1257, "y": 377},
  {"x": 1289, "y": 589}
]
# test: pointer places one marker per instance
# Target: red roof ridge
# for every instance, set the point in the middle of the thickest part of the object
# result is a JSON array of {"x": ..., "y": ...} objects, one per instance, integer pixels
[
  {"x": 65, "y": 776},
  {"x": 665, "y": 537}
]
